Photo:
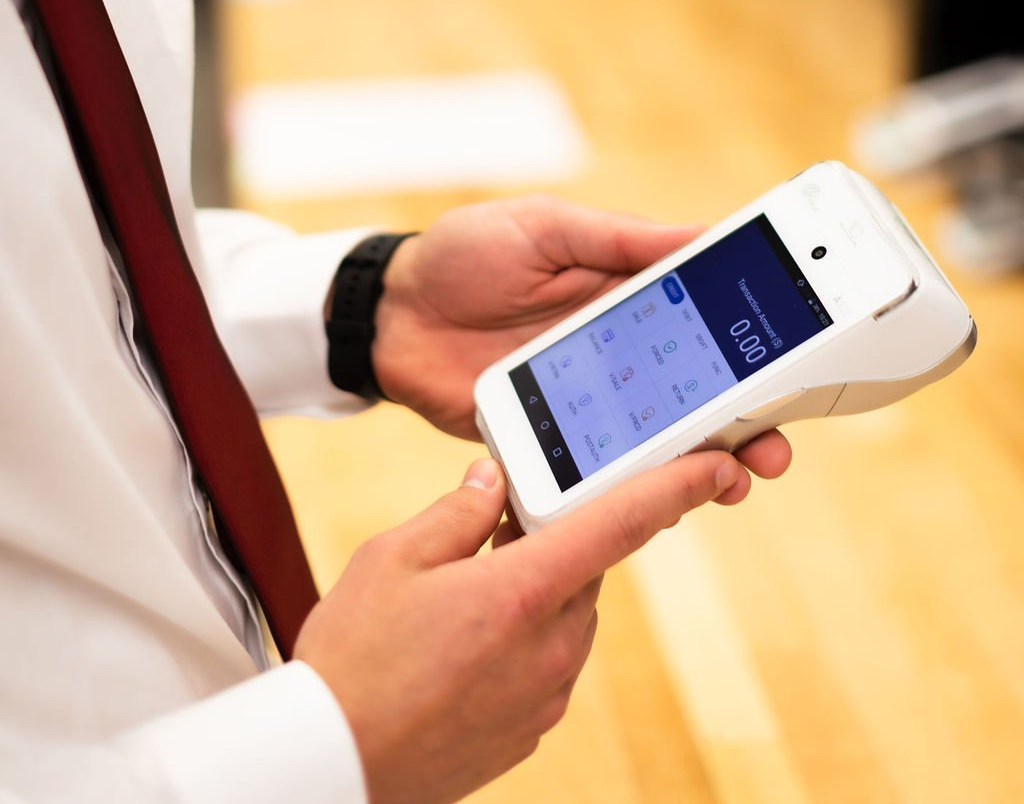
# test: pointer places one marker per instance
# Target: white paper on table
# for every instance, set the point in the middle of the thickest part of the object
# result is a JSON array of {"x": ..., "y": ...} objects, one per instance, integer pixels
[{"x": 407, "y": 133}]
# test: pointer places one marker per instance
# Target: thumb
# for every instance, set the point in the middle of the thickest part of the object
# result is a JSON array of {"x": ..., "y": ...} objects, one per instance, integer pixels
[
  {"x": 462, "y": 521},
  {"x": 609, "y": 241},
  {"x": 586, "y": 542}
]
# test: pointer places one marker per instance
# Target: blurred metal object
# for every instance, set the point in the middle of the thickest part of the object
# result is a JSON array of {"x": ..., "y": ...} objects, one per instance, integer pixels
[
  {"x": 986, "y": 229},
  {"x": 969, "y": 124},
  {"x": 944, "y": 114},
  {"x": 209, "y": 139}
]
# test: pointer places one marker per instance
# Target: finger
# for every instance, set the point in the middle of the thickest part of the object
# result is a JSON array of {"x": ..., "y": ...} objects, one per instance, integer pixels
[
  {"x": 588, "y": 643},
  {"x": 579, "y": 609},
  {"x": 554, "y": 709},
  {"x": 510, "y": 529},
  {"x": 768, "y": 455},
  {"x": 570, "y": 235},
  {"x": 582, "y": 605},
  {"x": 558, "y": 560},
  {"x": 737, "y": 492},
  {"x": 458, "y": 524},
  {"x": 586, "y": 646},
  {"x": 507, "y": 532},
  {"x": 564, "y": 648}
]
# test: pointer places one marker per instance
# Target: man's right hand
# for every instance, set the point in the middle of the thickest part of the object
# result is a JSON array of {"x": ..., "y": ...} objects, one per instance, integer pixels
[{"x": 450, "y": 663}]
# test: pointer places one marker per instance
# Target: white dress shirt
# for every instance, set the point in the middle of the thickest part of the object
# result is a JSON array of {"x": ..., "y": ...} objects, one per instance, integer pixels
[{"x": 130, "y": 647}]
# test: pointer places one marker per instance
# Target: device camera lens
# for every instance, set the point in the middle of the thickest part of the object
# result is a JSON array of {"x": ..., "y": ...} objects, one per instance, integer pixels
[{"x": 818, "y": 252}]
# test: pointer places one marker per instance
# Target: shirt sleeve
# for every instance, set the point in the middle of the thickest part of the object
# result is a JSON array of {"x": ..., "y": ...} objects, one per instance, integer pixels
[
  {"x": 266, "y": 288},
  {"x": 280, "y": 736}
]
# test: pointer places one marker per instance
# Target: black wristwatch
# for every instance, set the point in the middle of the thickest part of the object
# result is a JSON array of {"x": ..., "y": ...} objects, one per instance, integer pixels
[{"x": 358, "y": 286}]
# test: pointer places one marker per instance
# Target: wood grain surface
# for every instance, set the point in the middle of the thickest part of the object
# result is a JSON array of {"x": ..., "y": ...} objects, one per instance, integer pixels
[{"x": 854, "y": 632}]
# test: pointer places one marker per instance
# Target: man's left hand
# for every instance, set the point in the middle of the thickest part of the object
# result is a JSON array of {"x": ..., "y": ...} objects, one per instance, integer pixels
[{"x": 486, "y": 278}]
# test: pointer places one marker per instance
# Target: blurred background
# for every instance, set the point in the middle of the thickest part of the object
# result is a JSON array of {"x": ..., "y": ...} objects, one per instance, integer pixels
[{"x": 854, "y": 632}]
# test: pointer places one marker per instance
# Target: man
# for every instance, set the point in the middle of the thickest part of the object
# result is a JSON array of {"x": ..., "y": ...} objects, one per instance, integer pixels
[{"x": 132, "y": 643}]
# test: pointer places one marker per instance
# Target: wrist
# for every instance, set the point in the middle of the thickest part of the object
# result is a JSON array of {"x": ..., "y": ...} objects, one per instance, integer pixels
[{"x": 398, "y": 324}]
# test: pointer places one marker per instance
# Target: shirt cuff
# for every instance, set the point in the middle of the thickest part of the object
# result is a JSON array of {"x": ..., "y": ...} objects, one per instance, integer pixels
[
  {"x": 266, "y": 287},
  {"x": 280, "y": 736}
]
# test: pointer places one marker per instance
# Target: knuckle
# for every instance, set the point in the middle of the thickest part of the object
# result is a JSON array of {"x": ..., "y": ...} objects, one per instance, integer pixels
[
  {"x": 531, "y": 206},
  {"x": 369, "y": 551},
  {"x": 694, "y": 490},
  {"x": 540, "y": 200},
  {"x": 382, "y": 550},
  {"x": 631, "y": 524},
  {"x": 561, "y": 660},
  {"x": 526, "y": 603},
  {"x": 461, "y": 509},
  {"x": 620, "y": 246},
  {"x": 526, "y": 749},
  {"x": 689, "y": 494},
  {"x": 551, "y": 714}
]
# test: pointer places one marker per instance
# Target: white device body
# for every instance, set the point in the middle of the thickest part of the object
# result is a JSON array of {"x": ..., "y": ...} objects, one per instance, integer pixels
[{"x": 897, "y": 325}]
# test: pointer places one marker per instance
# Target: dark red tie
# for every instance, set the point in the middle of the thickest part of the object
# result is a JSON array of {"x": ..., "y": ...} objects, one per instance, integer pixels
[{"x": 216, "y": 418}]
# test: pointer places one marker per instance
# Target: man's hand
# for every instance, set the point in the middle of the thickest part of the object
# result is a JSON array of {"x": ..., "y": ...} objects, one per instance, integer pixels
[
  {"x": 450, "y": 663},
  {"x": 486, "y": 278}
]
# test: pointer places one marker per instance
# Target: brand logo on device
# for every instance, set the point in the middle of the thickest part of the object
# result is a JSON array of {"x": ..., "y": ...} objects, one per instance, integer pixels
[{"x": 812, "y": 195}]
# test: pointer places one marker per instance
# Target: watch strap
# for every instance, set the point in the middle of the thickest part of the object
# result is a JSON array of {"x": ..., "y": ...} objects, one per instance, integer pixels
[{"x": 350, "y": 327}]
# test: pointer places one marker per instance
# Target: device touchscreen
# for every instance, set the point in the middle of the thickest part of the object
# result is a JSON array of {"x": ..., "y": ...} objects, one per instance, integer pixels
[{"x": 669, "y": 348}]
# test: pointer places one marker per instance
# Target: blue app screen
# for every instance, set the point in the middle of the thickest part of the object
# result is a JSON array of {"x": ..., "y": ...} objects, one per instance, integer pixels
[{"x": 666, "y": 350}]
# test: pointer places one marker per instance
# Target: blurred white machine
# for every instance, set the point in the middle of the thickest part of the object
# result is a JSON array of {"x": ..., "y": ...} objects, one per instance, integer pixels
[{"x": 968, "y": 122}]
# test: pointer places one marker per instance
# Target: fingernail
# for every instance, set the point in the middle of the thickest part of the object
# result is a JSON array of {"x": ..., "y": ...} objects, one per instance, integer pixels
[
  {"x": 726, "y": 476},
  {"x": 483, "y": 474}
]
